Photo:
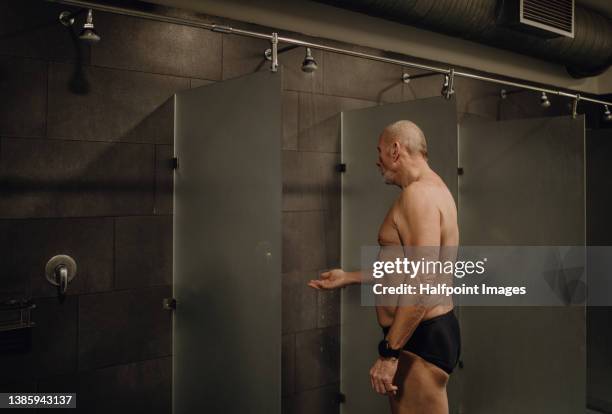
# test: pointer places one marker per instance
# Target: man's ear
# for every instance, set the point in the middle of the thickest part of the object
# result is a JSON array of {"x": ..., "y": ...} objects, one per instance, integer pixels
[{"x": 395, "y": 150}]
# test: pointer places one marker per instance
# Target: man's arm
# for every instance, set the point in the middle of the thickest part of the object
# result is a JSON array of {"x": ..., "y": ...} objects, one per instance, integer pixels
[{"x": 418, "y": 224}]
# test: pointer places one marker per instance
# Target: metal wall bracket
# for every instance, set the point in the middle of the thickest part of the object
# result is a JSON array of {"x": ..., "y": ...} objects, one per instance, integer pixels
[
  {"x": 341, "y": 168},
  {"x": 575, "y": 106},
  {"x": 341, "y": 398},
  {"x": 274, "y": 46},
  {"x": 169, "y": 304},
  {"x": 460, "y": 171},
  {"x": 448, "y": 89},
  {"x": 175, "y": 163}
]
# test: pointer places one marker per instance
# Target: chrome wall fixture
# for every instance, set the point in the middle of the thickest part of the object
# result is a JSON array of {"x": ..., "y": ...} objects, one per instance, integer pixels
[
  {"x": 309, "y": 64},
  {"x": 88, "y": 33},
  {"x": 448, "y": 87},
  {"x": 607, "y": 114},
  {"x": 544, "y": 101},
  {"x": 59, "y": 271},
  {"x": 275, "y": 39}
]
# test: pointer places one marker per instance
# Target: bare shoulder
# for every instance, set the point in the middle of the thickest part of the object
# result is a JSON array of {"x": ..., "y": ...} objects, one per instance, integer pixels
[{"x": 418, "y": 195}]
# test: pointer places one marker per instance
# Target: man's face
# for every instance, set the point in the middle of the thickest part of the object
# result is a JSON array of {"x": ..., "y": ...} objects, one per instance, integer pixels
[{"x": 385, "y": 161}]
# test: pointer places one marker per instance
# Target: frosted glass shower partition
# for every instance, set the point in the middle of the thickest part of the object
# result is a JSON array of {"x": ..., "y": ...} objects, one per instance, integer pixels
[
  {"x": 365, "y": 201},
  {"x": 227, "y": 204},
  {"x": 523, "y": 184}
]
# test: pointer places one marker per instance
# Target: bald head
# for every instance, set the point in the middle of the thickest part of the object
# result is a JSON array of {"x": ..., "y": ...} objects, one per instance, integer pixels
[{"x": 408, "y": 134}]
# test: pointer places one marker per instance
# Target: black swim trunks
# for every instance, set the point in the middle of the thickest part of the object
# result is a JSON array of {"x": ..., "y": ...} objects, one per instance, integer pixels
[{"x": 436, "y": 340}]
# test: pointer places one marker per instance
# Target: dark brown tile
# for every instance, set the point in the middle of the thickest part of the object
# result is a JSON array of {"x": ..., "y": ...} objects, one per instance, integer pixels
[
  {"x": 18, "y": 386},
  {"x": 299, "y": 302},
  {"x": 323, "y": 400},
  {"x": 170, "y": 48},
  {"x": 287, "y": 404},
  {"x": 60, "y": 383},
  {"x": 158, "y": 126},
  {"x": 477, "y": 97},
  {"x": 111, "y": 105},
  {"x": 422, "y": 87},
  {"x": 123, "y": 326},
  {"x": 143, "y": 251},
  {"x": 310, "y": 180},
  {"x": 328, "y": 304},
  {"x": 23, "y": 86},
  {"x": 54, "y": 178},
  {"x": 30, "y": 28},
  {"x": 319, "y": 120},
  {"x": 288, "y": 365},
  {"x": 290, "y": 120},
  {"x": 301, "y": 188},
  {"x": 362, "y": 78},
  {"x": 143, "y": 387},
  {"x": 303, "y": 241},
  {"x": 317, "y": 356},
  {"x": 53, "y": 348},
  {"x": 243, "y": 55},
  {"x": 196, "y": 83},
  {"x": 28, "y": 245},
  {"x": 332, "y": 223},
  {"x": 164, "y": 184}
]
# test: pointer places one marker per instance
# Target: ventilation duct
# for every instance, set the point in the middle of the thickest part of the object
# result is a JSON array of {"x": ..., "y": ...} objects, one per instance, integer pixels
[
  {"x": 587, "y": 53},
  {"x": 544, "y": 18}
]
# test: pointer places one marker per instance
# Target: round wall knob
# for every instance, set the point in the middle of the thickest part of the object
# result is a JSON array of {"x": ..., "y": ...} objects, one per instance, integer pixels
[{"x": 58, "y": 262}]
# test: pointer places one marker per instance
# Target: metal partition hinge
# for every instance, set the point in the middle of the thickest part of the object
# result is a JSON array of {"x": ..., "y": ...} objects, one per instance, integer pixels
[
  {"x": 341, "y": 398},
  {"x": 460, "y": 171},
  {"x": 175, "y": 163},
  {"x": 341, "y": 168},
  {"x": 169, "y": 304}
]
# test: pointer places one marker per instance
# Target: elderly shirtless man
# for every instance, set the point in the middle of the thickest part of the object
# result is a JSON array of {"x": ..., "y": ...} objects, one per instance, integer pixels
[{"x": 421, "y": 343}]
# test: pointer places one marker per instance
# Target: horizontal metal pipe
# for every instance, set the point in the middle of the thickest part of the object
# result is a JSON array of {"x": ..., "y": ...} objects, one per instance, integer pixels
[
  {"x": 298, "y": 42},
  {"x": 422, "y": 75}
]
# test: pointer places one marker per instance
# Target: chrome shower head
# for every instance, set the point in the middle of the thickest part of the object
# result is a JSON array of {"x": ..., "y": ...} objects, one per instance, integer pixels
[
  {"x": 607, "y": 114},
  {"x": 309, "y": 64},
  {"x": 89, "y": 34},
  {"x": 544, "y": 102}
]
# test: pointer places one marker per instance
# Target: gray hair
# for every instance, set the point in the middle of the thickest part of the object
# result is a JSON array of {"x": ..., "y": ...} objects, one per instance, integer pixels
[{"x": 408, "y": 134}]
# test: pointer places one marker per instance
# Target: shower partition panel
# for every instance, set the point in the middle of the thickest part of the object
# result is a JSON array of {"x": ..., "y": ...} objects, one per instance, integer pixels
[
  {"x": 227, "y": 206},
  {"x": 365, "y": 201},
  {"x": 522, "y": 184}
]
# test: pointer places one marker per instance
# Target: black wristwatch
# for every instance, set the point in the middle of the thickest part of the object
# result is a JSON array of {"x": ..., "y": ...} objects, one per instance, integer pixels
[{"x": 385, "y": 351}]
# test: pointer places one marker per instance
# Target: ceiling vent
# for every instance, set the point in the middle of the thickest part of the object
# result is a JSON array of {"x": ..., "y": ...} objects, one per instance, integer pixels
[{"x": 546, "y": 18}]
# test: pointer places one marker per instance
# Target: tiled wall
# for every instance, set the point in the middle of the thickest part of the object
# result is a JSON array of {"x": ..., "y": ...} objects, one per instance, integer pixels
[{"x": 84, "y": 170}]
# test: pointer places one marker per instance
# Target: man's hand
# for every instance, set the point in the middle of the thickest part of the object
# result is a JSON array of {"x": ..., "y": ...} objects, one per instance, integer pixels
[
  {"x": 382, "y": 374},
  {"x": 333, "y": 279}
]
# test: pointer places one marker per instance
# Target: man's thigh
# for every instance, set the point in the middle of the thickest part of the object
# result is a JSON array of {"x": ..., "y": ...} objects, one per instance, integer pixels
[{"x": 422, "y": 387}]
